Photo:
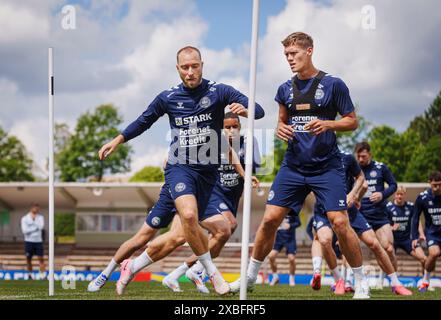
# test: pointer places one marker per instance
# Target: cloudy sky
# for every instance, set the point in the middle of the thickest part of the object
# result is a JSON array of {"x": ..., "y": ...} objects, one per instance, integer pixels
[{"x": 123, "y": 52}]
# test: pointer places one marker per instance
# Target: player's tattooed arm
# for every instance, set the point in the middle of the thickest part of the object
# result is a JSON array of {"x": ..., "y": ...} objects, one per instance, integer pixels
[
  {"x": 109, "y": 147},
  {"x": 348, "y": 122},
  {"x": 284, "y": 131}
]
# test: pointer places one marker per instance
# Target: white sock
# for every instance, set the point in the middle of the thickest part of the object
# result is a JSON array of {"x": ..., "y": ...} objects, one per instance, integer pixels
[
  {"x": 141, "y": 262},
  {"x": 178, "y": 272},
  {"x": 349, "y": 277},
  {"x": 253, "y": 268},
  {"x": 358, "y": 274},
  {"x": 275, "y": 276},
  {"x": 336, "y": 274},
  {"x": 426, "y": 277},
  {"x": 198, "y": 267},
  {"x": 291, "y": 276},
  {"x": 208, "y": 264},
  {"x": 394, "y": 279},
  {"x": 317, "y": 264},
  {"x": 110, "y": 268}
]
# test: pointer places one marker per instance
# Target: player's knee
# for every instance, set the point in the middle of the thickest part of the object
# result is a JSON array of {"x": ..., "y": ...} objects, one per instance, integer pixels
[
  {"x": 325, "y": 240},
  {"x": 340, "y": 224},
  {"x": 373, "y": 244},
  {"x": 270, "y": 223},
  {"x": 189, "y": 217},
  {"x": 291, "y": 259},
  {"x": 223, "y": 234},
  {"x": 390, "y": 250},
  {"x": 233, "y": 226}
]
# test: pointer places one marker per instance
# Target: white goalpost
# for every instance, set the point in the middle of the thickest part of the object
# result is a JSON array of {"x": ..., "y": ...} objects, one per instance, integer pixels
[
  {"x": 51, "y": 169},
  {"x": 249, "y": 153}
]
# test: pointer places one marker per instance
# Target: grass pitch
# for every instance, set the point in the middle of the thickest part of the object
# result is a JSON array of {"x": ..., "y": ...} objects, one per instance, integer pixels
[{"x": 37, "y": 290}]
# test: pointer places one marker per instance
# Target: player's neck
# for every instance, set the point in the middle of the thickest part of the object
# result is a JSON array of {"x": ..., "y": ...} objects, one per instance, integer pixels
[
  {"x": 399, "y": 204},
  {"x": 308, "y": 73}
]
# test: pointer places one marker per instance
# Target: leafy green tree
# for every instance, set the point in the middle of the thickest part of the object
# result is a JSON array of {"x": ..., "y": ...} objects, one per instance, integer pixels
[
  {"x": 429, "y": 124},
  {"x": 64, "y": 224},
  {"x": 348, "y": 139},
  {"x": 148, "y": 174},
  {"x": 15, "y": 163},
  {"x": 426, "y": 159},
  {"x": 79, "y": 159},
  {"x": 273, "y": 159}
]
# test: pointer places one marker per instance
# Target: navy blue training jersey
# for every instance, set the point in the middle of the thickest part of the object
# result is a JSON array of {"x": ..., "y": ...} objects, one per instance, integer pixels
[
  {"x": 377, "y": 174},
  {"x": 401, "y": 215},
  {"x": 306, "y": 152},
  {"x": 196, "y": 119},
  {"x": 293, "y": 221},
  {"x": 230, "y": 180},
  {"x": 430, "y": 205}
]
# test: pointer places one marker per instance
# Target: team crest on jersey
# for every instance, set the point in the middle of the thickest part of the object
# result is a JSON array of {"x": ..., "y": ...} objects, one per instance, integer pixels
[
  {"x": 223, "y": 206},
  {"x": 373, "y": 173},
  {"x": 430, "y": 242},
  {"x": 180, "y": 187},
  {"x": 156, "y": 221},
  {"x": 407, "y": 212},
  {"x": 205, "y": 102},
  {"x": 319, "y": 94},
  {"x": 271, "y": 195},
  {"x": 178, "y": 121}
]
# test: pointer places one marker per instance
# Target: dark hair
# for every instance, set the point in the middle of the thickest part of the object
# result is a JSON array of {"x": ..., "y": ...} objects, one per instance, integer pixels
[
  {"x": 34, "y": 204},
  {"x": 231, "y": 115},
  {"x": 188, "y": 48},
  {"x": 435, "y": 176},
  {"x": 361, "y": 146}
]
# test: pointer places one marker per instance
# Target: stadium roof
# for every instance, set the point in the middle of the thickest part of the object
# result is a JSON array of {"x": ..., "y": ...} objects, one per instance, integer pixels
[{"x": 72, "y": 195}]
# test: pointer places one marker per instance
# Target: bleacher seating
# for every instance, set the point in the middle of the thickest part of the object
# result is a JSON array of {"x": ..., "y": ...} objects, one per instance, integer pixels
[{"x": 95, "y": 259}]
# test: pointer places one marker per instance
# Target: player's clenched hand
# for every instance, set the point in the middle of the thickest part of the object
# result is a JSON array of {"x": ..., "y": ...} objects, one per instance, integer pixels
[
  {"x": 284, "y": 131},
  {"x": 350, "y": 199},
  {"x": 376, "y": 197},
  {"x": 422, "y": 238},
  {"x": 395, "y": 226},
  {"x": 109, "y": 147},
  {"x": 414, "y": 244},
  {"x": 317, "y": 126},
  {"x": 255, "y": 182},
  {"x": 238, "y": 109}
]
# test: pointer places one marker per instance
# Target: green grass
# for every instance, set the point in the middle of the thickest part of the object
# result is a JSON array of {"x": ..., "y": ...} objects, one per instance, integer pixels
[{"x": 33, "y": 290}]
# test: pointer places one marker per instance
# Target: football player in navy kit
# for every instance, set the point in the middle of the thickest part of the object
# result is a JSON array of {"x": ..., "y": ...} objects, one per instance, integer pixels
[
  {"x": 373, "y": 204},
  {"x": 429, "y": 202},
  {"x": 308, "y": 106},
  {"x": 196, "y": 111},
  {"x": 400, "y": 214}
]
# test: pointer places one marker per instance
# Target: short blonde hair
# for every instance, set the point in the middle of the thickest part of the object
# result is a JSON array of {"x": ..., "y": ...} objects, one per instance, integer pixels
[
  {"x": 298, "y": 38},
  {"x": 402, "y": 189}
]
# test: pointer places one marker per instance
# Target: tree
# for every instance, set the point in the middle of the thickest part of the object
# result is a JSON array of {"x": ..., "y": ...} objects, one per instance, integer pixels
[
  {"x": 429, "y": 124},
  {"x": 348, "y": 139},
  {"x": 426, "y": 159},
  {"x": 273, "y": 159},
  {"x": 148, "y": 174},
  {"x": 15, "y": 163},
  {"x": 79, "y": 159}
]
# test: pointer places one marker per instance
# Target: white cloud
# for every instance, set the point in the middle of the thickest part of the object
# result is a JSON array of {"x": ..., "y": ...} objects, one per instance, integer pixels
[{"x": 155, "y": 156}]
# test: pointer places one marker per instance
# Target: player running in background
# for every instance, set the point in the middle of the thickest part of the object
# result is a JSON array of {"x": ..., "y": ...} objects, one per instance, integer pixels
[
  {"x": 308, "y": 106},
  {"x": 196, "y": 111},
  {"x": 222, "y": 207},
  {"x": 429, "y": 202},
  {"x": 400, "y": 214},
  {"x": 356, "y": 186},
  {"x": 285, "y": 238},
  {"x": 373, "y": 204}
]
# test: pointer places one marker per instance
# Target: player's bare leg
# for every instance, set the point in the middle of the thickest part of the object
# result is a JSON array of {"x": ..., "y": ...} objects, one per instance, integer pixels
[
  {"x": 386, "y": 238},
  {"x": 325, "y": 235},
  {"x": 434, "y": 253},
  {"x": 292, "y": 268},
  {"x": 125, "y": 251},
  {"x": 350, "y": 248},
  {"x": 273, "y": 265},
  {"x": 186, "y": 206},
  {"x": 263, "y": 243},
  {"x": 369, "y": 238}
]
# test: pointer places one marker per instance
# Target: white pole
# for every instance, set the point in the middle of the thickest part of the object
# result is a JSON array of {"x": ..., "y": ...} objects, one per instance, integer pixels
[
  {"x": 249, "y": 154},
  {"x": 51, "y": 171}
]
